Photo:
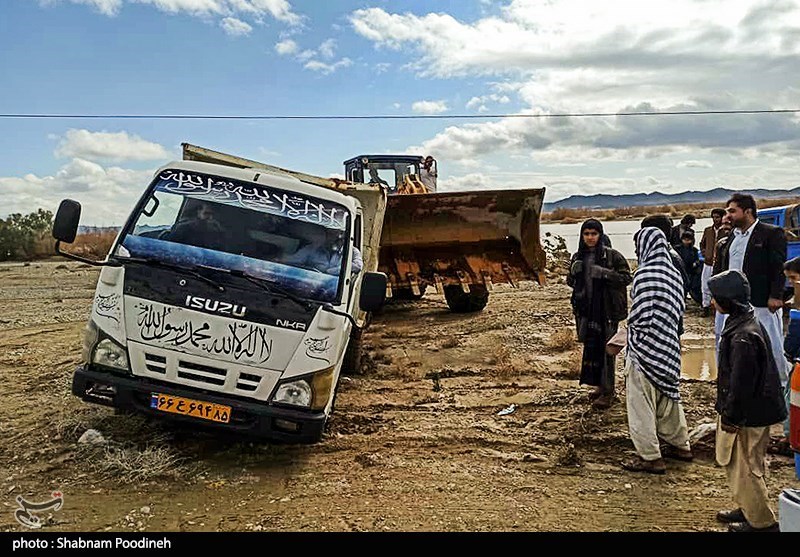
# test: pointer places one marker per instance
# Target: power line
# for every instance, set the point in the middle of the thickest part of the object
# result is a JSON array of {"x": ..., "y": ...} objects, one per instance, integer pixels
[{"x": 31, "y": 116}]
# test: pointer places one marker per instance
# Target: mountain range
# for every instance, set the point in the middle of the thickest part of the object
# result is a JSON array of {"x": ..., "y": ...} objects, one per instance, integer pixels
[{"x": 606, "y": 201}]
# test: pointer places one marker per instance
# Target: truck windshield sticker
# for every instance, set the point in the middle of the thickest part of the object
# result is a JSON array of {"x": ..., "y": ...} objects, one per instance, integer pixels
[
  {"x": 170, "y": 326},
  {"x": 259, "y": 198}
]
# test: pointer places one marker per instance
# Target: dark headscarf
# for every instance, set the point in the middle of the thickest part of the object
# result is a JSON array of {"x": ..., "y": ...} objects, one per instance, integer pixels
[
  {"x": 731, "y": 290},
  {"x": 590, "y": 224}
]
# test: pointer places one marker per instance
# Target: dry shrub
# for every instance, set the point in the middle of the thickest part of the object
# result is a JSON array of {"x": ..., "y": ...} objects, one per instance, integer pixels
[
  {"x": 561, "y": 340},
  {"x": 567, "y": 455},
  {"x": 93, "y": 244},
  {"x": 130, "y": 464},
  {"x": 507, "y": 364},
  {"x": 135, "y": 450}
]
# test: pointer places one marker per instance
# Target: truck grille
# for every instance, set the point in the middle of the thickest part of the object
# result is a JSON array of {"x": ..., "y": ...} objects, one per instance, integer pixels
[
  {"x": 156, "y": 364},
  {"x": 201, "y": 373},
  {"x": 177, "y": 368}
]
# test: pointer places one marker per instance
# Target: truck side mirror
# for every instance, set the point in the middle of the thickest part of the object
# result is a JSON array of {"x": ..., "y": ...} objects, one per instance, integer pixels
[
  {"x": 65, "y": 227},
  {"x": 373, "y": 291}
]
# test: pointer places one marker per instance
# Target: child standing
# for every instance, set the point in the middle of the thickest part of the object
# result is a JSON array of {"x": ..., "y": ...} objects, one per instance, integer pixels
[{"x": 749, "y": 400}]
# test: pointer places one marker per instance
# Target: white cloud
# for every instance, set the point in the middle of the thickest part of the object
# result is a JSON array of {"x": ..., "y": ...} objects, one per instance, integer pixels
[
  {"x": 324, "y": 68},
  {"x": 694, "y": 164},
  {"x": 280, "y": 10},
  {"x": 429, "y": 107},
  {"x": 106, "y": 146},
  {"x": 105, "y": 7},
  {"x": 327, "y": 49},
  {"x": 106, "y": 195},
  {"x": 235, "y": 27},
  {"x": 306, "y": 55},
  {"x": 572, "y": 56},
  {"x": 479, "y": 103},
  {"x": 286, "y": 46}
]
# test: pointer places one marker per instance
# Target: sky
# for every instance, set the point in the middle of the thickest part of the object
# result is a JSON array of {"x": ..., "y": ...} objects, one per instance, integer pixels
[{"x": 413, "y": 57}]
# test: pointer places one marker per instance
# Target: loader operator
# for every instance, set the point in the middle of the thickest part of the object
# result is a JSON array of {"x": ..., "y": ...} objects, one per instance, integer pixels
[{"x": 428, "y": 173}]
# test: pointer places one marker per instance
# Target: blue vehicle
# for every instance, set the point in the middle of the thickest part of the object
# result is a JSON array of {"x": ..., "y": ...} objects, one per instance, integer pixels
[{"x": 788, "y": 218}]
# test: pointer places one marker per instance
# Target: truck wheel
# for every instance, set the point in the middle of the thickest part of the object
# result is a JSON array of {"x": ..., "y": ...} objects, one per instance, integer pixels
[
  {"x": 353, "y": 354},
  {"x": 466, "y": 302}
]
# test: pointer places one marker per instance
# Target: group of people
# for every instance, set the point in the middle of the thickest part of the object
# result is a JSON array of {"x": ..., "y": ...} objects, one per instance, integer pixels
[{"x": 744, "y": 283}]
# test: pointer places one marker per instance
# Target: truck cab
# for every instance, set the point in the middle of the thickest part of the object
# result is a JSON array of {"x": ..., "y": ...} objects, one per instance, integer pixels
[{"x": 227, "y": 300}]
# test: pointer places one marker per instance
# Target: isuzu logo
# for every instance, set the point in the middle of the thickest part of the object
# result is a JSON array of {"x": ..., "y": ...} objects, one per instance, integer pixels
[{"x": 224, "y": 308}]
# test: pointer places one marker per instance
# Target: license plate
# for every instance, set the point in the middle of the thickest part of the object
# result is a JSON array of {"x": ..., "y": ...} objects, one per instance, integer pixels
[{"x": 191, "y": 407}]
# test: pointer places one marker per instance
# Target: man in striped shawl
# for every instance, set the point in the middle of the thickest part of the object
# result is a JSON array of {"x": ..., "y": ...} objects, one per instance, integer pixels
[{"x": 653, "y": 357}]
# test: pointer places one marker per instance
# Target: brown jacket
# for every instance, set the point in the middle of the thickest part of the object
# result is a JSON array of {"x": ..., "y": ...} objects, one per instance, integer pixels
[{"x": 707, "y": 244}]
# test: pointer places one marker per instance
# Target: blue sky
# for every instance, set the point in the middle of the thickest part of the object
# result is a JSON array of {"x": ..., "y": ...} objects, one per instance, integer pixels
[{"x": 296, "y": 57}]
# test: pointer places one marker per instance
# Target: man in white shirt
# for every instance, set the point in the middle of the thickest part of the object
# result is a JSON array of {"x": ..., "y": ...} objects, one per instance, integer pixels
[
  {"x": 428, "y": 173},
  {"x": 759, "y": 251}
]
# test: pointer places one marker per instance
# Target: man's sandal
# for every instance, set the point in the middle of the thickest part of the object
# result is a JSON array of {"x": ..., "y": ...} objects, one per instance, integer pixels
[{"x": 638, "y": 464}]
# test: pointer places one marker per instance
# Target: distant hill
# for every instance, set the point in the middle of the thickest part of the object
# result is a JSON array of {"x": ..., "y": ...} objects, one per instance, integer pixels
[
  {"x": 604, "y": 201},
  {"x": 97, "y": 229}
]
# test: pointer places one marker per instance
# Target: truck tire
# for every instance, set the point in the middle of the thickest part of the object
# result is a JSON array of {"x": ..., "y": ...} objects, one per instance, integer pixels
[
  {"x": 351, "y": 365},
  {"x": 466, "y": 302}
]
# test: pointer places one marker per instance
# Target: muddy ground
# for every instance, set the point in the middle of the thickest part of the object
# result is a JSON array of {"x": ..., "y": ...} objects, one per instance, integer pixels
[{"x": 416, "y": 444}]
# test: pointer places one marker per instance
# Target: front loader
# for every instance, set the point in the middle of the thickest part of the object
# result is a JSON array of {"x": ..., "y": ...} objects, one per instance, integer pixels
[{"x": 461, "y": 243}]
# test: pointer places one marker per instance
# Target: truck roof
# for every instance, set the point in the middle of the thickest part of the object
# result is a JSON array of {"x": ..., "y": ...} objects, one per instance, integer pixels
[{"x": 770, "y": 210}]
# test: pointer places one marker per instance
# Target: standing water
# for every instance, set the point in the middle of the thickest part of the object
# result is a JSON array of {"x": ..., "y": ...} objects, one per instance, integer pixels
[
  {"x": 619, "y": 231},
  {"x": 699, "y": 361}
]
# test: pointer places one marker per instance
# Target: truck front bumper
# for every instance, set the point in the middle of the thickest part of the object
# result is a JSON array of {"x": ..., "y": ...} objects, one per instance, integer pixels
[{"x": 248, "y": 418}]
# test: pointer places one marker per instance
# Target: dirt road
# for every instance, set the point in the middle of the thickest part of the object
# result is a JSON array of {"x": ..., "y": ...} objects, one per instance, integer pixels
[{"x": 414, "y": 445}]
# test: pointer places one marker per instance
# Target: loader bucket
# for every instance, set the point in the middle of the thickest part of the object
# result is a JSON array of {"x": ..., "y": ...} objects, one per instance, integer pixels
[{"x": 464, "y": 238}]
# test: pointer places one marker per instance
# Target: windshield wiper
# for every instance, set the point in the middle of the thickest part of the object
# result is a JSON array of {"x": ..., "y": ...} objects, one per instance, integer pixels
[
  {"x": 186, "y": 270},
  {"x": 266, "y": 284}
]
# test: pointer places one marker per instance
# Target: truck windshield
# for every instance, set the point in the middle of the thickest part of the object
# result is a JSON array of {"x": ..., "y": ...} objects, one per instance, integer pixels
[{"x": 291, "y": 239}]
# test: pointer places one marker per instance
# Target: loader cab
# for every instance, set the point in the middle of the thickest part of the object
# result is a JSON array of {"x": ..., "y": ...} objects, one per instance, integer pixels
[{"x": 397, "y": 173}]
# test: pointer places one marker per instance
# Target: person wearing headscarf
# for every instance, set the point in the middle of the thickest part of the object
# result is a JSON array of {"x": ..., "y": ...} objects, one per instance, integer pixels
[
  {"x": 749, "y": 401},
  {"x": 599, "y": 276},
  {"x": 653, "y": 358}
]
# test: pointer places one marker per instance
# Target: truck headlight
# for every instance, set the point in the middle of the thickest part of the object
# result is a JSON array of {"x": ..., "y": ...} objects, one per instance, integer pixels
[
  {"x": 311, "y": 392},
  {"x": 108, "y": 353}
]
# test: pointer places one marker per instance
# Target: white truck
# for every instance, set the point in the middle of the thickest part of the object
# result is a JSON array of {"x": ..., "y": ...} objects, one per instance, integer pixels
[{"x": 229, "y": 299}]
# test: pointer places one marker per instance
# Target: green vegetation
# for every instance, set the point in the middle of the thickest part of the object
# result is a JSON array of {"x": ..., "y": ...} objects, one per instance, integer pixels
[{"x": 26, "y": 236}]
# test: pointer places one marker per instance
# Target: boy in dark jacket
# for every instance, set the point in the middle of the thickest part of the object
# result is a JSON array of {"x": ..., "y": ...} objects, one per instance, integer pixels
[
  {"x": 690, "y": 256},
  {"x": 749, "y": 401}
]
